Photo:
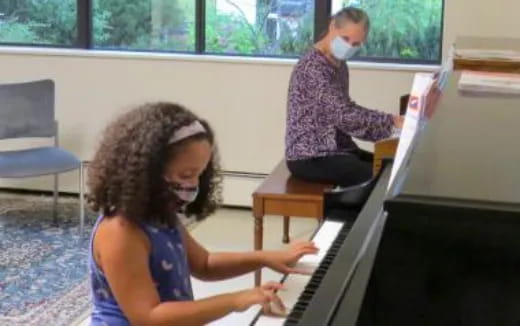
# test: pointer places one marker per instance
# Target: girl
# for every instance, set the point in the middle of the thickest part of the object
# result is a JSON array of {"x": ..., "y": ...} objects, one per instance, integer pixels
[
  {"x": 321, "y": 116},
  {"x": 153, "y": 163}
]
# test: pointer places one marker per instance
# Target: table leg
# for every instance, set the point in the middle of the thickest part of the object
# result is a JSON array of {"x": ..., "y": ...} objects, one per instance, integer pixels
[
  {"x": 259, "y": 236},
  {"x": 285, "y": 229}
]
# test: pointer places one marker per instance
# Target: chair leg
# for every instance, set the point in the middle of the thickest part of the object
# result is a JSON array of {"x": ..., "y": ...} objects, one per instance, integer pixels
[
  {"x": 285, "y": 229},
  {"x": 55, "y": 194},
  {"x": 81, "y": 200}
]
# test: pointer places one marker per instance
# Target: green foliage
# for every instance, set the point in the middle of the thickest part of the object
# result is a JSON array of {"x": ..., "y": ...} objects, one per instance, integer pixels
[
  {"x": 34, "y": 21},
  {"x": 100, "y": 25},
  {"x": 233, "y": 33},
  {"x": 302, "y": 41},
  {"x": 230, "y": 33},
  {"x": 14, "y": 32},
  {"x": 116, "y": 23},
  {"x": 141, "y": 24},
  {"x": 123, "y": 23},
  {"x": 55, "y": 20},
  {"x": 406, "y": 29}
]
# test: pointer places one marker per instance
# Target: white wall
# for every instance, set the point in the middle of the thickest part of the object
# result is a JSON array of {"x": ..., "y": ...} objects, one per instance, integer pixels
[{"x": 244, "y": 101}]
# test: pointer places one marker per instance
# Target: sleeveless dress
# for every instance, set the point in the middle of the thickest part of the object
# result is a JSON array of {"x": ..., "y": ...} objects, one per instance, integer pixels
[{"x": 169, "y": 268}]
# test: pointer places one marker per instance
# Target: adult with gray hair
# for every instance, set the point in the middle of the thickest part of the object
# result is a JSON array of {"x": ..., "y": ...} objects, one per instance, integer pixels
[{"x": 321, "y": 116}]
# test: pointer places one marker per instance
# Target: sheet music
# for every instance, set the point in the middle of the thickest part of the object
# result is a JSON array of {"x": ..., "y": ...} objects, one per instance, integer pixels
[{"x": 421, "y": 84}]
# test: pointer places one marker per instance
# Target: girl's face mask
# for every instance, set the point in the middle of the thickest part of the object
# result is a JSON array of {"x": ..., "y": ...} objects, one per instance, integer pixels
[{"x": 185, "y": 193}]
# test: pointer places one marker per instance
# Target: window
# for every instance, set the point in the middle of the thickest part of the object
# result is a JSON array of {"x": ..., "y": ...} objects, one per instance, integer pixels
[
  {"x": 50, "y": 22},
  {"x": 400, "y": 30},
  {"x": 164, "y": 25},
  {"x": 259, "y": 27}
]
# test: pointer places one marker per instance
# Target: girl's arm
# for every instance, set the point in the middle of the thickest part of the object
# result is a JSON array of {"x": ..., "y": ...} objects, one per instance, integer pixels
[
  {"x": 122, "y": 252},
  {"x": 218, "y": 266}
]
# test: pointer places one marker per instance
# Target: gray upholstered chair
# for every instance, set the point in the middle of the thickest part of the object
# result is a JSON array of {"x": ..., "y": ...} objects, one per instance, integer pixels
[{"x": 27, "y": 111}]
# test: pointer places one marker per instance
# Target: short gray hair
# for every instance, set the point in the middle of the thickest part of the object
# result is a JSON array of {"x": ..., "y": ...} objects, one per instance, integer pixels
[{"x": 351, "y": 15}]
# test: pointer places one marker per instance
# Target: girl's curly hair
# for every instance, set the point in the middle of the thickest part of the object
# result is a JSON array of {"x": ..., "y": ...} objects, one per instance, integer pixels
[{"x": 126, "y": 174}]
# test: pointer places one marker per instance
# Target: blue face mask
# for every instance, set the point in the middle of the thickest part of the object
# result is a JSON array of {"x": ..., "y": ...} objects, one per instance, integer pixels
[{"x": 341, "y": 49}]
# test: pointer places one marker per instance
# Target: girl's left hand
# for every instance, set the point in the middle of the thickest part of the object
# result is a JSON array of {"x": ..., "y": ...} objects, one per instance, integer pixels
[{"x": 283, "y": 261}]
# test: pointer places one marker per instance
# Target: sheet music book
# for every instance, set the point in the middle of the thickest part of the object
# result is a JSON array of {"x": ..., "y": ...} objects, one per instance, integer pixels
[
  {"x": 489, "y": 82},
  {"x": 489, "y": 54},
  {"x": 412, "y": 122}
]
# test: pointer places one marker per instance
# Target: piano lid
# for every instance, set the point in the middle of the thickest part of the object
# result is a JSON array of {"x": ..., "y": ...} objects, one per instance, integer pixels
[{"x": 468, "y": 153}]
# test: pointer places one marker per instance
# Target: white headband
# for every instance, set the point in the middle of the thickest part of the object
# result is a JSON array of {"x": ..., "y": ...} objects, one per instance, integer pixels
[{"x": 187, "y": 131}]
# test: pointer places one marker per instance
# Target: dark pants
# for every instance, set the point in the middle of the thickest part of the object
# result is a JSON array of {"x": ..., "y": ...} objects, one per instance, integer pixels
[{"x": 342, "y": 170}]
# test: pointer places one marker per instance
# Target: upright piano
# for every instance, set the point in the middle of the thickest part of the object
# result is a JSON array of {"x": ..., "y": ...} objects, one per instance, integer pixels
[{"x": 438, "y": 246}]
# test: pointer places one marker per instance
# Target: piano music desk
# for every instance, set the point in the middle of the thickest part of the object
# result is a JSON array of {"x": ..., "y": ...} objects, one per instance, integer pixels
[{"x": 283, "y": 195}]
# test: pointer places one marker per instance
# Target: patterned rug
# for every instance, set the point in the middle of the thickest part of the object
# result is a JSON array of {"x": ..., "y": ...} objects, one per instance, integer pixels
[{"x": 43, "y": 268}]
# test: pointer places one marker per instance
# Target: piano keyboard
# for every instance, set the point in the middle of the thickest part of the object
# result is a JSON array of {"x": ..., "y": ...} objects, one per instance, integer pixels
[{"x": 300, "y": 288}]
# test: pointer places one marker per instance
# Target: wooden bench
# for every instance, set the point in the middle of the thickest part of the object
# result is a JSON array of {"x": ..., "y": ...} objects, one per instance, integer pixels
[
  {"x": 283, "y": 195},
  {"x": 385, "y": 148}
]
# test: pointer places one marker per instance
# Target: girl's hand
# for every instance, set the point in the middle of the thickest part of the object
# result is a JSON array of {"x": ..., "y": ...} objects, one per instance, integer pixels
[
  {"x": 264, "y": 295},
  {"x": 283, "y": 261}
]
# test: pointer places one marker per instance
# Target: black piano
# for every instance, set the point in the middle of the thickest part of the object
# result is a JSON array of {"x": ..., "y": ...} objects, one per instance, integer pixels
[{"x": 441, "y": 245}]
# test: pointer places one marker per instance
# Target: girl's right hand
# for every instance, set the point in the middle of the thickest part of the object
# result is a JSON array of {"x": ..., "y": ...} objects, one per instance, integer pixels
[{"x": 264, "y": 295}]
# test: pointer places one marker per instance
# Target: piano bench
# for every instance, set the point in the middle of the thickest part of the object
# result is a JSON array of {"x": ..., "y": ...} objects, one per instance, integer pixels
[
  {"x": 385, "y": 148},
  {"x": 282, "y": 194}
]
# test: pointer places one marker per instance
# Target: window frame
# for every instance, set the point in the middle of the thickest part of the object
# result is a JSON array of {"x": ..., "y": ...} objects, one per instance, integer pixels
[
  {"x": 84, "y": 24},
  {"x": 322, "y": 12}
]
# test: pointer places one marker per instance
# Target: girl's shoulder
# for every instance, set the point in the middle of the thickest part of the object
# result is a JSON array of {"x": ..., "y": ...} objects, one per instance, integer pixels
[
  {"x": 118, "y": 224},
  {"x": 118, "y": 229}
]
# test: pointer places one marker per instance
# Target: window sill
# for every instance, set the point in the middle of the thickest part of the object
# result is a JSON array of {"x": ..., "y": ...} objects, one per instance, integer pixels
[{"x": 41, "y": 51}]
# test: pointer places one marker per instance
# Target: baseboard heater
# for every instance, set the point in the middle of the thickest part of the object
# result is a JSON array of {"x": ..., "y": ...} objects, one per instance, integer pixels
[
  {"x": 234, "y": 192},
  {"x": 241, "y": 174}
]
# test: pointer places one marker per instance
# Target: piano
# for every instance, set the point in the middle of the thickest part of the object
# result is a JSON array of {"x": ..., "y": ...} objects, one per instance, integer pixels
[{"x": 438, "y": 246}]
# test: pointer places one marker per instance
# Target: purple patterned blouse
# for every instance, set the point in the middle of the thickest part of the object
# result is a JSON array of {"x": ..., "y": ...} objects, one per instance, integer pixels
[{"x": 321, "y": 116}]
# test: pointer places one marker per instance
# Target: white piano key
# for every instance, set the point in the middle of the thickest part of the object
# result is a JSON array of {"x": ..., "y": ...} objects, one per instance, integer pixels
[
  {"x": 295, "y": 284},
  {"x": 323, "y": 240},
  {"x": 270, "y": 321}
]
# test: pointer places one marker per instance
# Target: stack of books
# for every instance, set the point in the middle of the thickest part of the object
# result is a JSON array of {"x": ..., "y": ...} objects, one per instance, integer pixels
[{"x": 489, "y": 82}]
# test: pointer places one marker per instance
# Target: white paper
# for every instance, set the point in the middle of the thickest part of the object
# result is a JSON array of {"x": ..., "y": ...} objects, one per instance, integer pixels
[{"x": 421, "y": 84}]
